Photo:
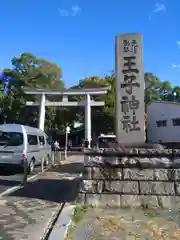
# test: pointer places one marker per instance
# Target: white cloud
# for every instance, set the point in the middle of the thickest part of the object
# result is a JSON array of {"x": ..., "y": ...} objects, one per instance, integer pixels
[
  {"x": 75, "y": 9},
  {"x": 160, "y": 7},
  {"x": 63, "y": 12},
  {"x": 178, "y": 44},
  {"x": 175, "y": 65}
]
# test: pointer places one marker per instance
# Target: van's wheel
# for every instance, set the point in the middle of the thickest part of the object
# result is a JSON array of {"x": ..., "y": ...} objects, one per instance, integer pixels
[{"x": 31, "y": 166}]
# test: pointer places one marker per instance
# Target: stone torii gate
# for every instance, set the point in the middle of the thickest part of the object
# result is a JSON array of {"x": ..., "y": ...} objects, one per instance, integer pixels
[{"x": 87, "y": 103}]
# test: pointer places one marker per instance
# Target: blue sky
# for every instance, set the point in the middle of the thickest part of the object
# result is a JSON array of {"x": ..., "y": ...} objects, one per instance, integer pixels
[{"x": 79, "y": 35}]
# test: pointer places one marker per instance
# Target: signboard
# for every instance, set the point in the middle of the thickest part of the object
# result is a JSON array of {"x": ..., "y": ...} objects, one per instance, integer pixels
[{"x": 130, "y": 86}]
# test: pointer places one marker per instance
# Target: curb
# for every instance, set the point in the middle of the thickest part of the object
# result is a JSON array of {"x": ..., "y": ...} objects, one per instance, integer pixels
[
  {"x": 62, "y": 224},
  {"x": 69, "y": 223}
]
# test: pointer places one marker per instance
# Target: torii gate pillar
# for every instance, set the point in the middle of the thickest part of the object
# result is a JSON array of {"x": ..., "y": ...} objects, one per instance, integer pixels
[
  {"x": 42, "y": 112},
  {"x": 88, "y": 118}
]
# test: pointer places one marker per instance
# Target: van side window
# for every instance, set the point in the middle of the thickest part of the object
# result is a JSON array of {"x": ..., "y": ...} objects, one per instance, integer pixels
[
  {"x": 41, "y": 140},
  {"x": 32, "y": 140}
]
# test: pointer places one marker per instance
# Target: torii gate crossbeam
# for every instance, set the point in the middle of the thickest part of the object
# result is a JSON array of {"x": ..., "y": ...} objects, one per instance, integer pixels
[{"x": 87, "y": 103}]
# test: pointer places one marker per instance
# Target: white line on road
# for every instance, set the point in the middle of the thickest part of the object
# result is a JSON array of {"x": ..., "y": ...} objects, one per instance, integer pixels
[{"x": 12, "y": 189}]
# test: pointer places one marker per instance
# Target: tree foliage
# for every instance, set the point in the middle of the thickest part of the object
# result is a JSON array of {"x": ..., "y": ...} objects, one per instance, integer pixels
[
  {"x": 32, "y": 72},
  {"x": 27, "y": 72}
]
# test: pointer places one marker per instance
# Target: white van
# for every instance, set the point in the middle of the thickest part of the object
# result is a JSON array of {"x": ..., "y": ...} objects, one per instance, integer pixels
[
  {"x": 103, "y": 140},
  {"x": 19, "y": 143}
]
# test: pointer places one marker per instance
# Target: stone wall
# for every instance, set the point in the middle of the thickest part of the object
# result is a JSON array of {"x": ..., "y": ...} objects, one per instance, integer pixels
[{"x": 150, "y": 178}]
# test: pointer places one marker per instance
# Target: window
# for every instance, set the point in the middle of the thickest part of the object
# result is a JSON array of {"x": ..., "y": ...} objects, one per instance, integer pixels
[
  {"x": 41, "y": 140},
  {"x": 32, "y": 140},
  {"x": 11, "y": 138},
  {"x": 161, "y": 123},
  {"x": 103, "y": 142},
  {"x": 176, "y": 122}
]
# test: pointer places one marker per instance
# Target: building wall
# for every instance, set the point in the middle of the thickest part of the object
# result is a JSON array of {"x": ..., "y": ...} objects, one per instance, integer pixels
[{"x": 159, "y": 111}]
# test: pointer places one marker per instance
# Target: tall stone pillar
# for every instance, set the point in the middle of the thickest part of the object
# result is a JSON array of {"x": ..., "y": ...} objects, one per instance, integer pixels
[{"x": 129, "y": 72}]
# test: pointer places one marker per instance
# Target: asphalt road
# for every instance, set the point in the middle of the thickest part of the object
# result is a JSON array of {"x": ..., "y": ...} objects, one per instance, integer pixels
[{"x": 10, "y": 179}]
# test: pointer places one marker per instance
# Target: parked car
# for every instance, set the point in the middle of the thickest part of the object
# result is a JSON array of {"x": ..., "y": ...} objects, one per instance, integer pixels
[
  {"x": 19, "y": 143},
  {"x": 103, "y": 141}
]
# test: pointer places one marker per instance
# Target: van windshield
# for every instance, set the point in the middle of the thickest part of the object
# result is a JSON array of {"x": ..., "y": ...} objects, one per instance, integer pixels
[
  {"x": 103, "y": 142},
  {"x": 11, "y": 138}
]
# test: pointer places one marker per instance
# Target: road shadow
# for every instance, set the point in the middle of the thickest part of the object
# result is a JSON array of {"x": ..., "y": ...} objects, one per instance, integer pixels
[
  {"x": 54, "y": 190},
  {"x": 11, "y": 178},
  {"x": 8, "y": 179},
  {"x": 8, "y": 172},
  {"x": 9, "y": 183}
]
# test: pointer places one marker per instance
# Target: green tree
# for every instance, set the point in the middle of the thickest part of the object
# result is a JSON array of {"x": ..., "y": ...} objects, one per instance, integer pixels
[
  {"x": 176, "y": 93},
  {"x": 152, "y": 87},
  {"x": 166, "y": 91},
  {"x": 103, "y": 118},
  {"x": 28, "y": 71}
]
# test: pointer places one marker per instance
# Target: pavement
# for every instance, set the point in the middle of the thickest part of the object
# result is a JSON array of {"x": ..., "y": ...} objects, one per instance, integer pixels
[
  {"x": 28, "y": 212},
  {"x": 60, "y": 229}
]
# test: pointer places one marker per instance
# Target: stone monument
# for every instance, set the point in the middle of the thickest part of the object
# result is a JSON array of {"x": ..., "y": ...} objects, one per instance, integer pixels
[
  {"x": 131, "y": 172},
  {"x": 130, "y": 124}
]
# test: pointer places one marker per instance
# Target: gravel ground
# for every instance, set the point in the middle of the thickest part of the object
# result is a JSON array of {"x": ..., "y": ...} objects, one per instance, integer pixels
[{"x": 121, "y": 224}]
